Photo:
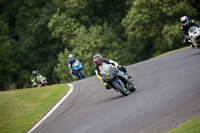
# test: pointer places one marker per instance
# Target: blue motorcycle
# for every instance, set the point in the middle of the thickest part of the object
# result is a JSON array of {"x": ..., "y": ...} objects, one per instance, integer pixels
[{"x": 78, "y": 70}]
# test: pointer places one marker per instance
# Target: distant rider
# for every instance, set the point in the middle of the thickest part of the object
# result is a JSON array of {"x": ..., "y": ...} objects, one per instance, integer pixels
[
  {"x": 99, "y": 64},
  {"x": 34, "y": 76},
  {"x": 71, "y": 60},
  {"x": 186, "y": 24}
]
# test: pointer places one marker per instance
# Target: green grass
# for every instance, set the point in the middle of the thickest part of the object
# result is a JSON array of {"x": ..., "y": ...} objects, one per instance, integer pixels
[
  {"x": 21, "y": 109},
  {"x": 191, "y": 126}
]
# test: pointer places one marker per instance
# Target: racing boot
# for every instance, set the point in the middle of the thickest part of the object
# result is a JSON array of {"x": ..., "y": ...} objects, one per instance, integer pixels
[
  {"x": 192, "y": 46},
  {"x": 130, "y": 78},
  {"x": 107, "y": 86}
]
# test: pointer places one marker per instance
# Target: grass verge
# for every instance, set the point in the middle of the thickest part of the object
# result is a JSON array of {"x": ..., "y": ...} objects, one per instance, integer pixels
[
  {"x": 191, "y": 126},
  {"x": 21, "y": 109},
  {"x": 172, "y": 51}
]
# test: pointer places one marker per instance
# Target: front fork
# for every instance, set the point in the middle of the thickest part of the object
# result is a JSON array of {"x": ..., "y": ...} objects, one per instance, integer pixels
[
  {"x": 126, "y": 80},
  {"x": 81, "y": 73},
  {"x": 120, "y": 83}
]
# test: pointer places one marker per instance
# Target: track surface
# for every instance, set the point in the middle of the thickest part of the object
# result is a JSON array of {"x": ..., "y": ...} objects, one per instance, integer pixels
[{"x": 168, "y": 94}]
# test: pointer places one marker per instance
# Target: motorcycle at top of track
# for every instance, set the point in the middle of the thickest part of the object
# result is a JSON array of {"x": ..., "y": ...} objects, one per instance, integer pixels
[
  {"x": 78, "y": 69},
  {"x": 117, "y": 79},
  {"x": 194, "y": 35}
]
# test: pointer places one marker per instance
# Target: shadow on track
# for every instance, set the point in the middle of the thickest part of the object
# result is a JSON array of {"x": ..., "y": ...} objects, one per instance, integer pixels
[
  {"x": 193, "y": 55},
  {"x": 118, "y": 97}
]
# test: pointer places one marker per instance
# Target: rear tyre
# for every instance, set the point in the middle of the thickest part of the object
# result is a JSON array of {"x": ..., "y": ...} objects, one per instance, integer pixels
[
  {"x": 132, "y": 89},
  {"x": 121, "y": 89}
]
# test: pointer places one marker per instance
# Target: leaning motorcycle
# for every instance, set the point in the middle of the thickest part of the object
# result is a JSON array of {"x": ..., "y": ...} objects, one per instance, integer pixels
[
  {"x": 78, "y": 69},
  {"x": 118, "y": 80},
  {"x": 41, "y": 81},
  {"x": 194, "y": 35}
]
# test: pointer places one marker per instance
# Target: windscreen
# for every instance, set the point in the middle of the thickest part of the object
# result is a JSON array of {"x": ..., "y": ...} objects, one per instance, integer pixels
[
  {"x": 76, "y": 63},
  {"x": 192, "y": 29},
  {"x": 105, "y": 69}
]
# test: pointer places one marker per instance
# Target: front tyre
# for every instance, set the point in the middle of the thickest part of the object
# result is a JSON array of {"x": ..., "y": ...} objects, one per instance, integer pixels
[
  {"x": 121, "y": 89},
  {"x": 198, "y": 41},
  {"x": 82, "y": 74}
]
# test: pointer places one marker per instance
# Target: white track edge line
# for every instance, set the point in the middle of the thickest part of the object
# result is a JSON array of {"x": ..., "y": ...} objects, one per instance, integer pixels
[{"x": 53, "y": 109}]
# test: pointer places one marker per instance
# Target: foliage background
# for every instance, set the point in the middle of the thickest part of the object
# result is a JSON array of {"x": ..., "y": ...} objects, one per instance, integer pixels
[{"x": 39, "y": 35}]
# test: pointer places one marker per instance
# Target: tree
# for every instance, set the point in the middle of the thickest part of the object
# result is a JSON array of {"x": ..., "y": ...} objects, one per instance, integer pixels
[
  {"x": 29, "y": 40},
  {"x": 39, "y": 35},
  {"x": 152, "y": 26}
]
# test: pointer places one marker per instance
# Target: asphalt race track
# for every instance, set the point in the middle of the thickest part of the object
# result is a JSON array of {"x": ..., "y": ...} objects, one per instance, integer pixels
[{"x": 168, "y": 94}]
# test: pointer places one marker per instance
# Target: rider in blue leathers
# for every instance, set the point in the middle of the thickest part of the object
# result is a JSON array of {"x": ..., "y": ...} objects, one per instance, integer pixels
[{"x": 71, "y": 60}]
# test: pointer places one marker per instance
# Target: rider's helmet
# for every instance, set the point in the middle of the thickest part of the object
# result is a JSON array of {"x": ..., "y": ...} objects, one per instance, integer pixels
[
  {"x": 98, "y": 60},
  {"x": 70, "y": 56},
  {"x": 184, "y": 19},
  {"x": 34, "y": 73}
]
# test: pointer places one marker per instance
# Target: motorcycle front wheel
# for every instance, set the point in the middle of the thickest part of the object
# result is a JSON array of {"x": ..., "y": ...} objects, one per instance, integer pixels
[
  {"x": 121, "y": 89},
  {"x": 81, "y": 73}
]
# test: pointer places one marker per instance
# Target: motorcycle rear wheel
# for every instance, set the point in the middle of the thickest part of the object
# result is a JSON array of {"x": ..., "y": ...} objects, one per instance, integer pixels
[
  {"x": 132, "y": 88},
  {"x": 121, "y": 89}
]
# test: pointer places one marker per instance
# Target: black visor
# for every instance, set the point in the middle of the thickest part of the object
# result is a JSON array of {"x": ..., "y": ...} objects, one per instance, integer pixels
[{"x": 183, "y": 22}]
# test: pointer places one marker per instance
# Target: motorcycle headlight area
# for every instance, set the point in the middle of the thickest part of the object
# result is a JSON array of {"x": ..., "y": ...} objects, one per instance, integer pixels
[{"x": 106, "y": 78}]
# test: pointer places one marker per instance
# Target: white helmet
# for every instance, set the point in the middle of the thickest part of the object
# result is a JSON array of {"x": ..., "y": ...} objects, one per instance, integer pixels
[
  {"x": 70, "y": 56},
  {"x": 184, "y": 19}
]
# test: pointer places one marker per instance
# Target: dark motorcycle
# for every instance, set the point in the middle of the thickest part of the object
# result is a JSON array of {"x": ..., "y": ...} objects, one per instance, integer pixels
[
  {"x": 41, "y": 81},
  {"x": 117, "y": 79}
]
